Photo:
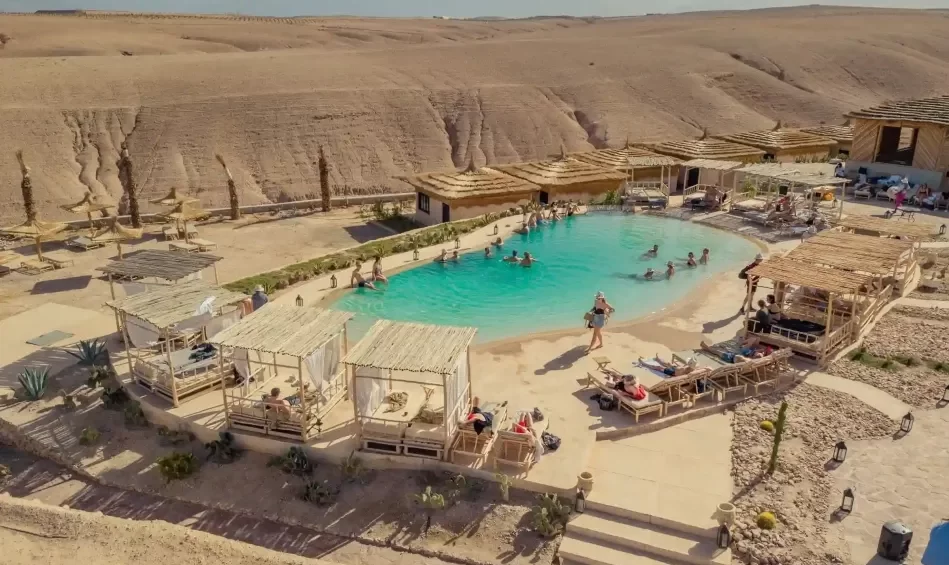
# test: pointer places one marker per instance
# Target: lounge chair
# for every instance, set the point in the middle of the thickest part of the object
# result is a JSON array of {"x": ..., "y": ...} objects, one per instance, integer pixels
[
  {"x": 183, "y": 246},
  {"x": 203, "y": 244},
  {"x": 759, "y": 373},
  {"x": 35, "y": 267},
  {"x": 58, "y": 261},
  {"x": 637, "y": 408},
  {"x": 469, "y": 444},
  {"x": 83, "y": 243},
  {"x": 170, "y": 233},
  {"x": 675, "y": 391},
  {"x": 519, "y": 449},
  {"x": 426, "y": 441},
  {"x": 726, "y": 379}
]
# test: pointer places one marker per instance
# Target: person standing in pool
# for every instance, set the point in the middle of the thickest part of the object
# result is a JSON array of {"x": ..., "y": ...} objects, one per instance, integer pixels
[
  {"x": 670, "y": 270},
  {"x": 487, "y": 253},
  {"x": 654, "y": 252},
  {"x": 704, "y": 258},
  {"x": 377, "y": 271},
  {"x": 357, "y": 280},
  {"x": 528, "y": 260},
  {"x": 751, "y": 282},
  {"x": 601, "y": 308},
  {"x": 691, "y": 261},
  {"x": 454, "y": 257},
  {"x": 512, "y": 258}
]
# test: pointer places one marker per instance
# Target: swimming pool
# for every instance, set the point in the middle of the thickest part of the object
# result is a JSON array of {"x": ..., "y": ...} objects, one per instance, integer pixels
[{"x": 576, "y": 258}]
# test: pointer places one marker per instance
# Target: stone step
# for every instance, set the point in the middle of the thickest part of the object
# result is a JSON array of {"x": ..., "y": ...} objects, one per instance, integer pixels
[
  {"x": 649, "y": 539},
  {"x": 576, "y": 550},
  {"x": 689, "y": 521}
]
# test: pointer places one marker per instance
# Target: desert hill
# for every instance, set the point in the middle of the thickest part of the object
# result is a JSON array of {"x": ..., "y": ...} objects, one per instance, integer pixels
[{"x": 385, "y": 97}]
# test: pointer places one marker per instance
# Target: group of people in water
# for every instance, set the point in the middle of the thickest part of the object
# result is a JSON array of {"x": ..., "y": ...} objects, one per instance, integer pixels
[
  {"x": 550, "y": 213},
  {"x": 690, "y": 262}
]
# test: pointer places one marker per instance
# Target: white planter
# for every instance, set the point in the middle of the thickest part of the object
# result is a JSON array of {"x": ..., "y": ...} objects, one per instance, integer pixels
[
  {"x": 585, "y": 481},
  {"x": 726, "y": 513}
]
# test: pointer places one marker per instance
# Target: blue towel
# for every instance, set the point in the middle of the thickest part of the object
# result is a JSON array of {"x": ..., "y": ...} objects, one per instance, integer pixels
[{"x": 937, "y": 552}]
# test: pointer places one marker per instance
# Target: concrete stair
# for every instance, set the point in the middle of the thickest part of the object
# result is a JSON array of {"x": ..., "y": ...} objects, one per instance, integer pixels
[{"x": 601, "y": 538}]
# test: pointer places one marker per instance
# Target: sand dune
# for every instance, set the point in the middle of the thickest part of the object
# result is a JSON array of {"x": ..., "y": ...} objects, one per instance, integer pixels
[{"x": 386, "y": 97}]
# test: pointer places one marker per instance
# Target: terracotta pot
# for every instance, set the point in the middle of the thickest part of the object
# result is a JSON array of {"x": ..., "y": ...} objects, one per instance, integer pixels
[
  {"x": 726, "y": 513},
  {"x": 585, "y": 481}
]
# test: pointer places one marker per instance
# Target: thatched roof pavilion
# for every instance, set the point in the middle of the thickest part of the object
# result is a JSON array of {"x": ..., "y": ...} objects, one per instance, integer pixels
[
  {"x": 470, "y": 183},
  {"x": 708, "y": 149},
  {"x": 843, "y": 135},
  {"x": 923, "y": 110},
  {"x": 783, "y": 142},
  {"x": 887, "y": 227},
  {"x": 624, "y": 159},
  {"x": 566, "y": 176}
]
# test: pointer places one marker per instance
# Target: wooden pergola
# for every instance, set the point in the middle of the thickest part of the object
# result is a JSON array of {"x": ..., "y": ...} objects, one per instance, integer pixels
[
  {"x": 167, "y": 323},
  {"x": 883, "y": 227},
  {"x": 165, "y": 267},
  {"x": 306, "y": 341},
  {"x": 821, "y": 301},
  {"x": 418, "y": 358}
]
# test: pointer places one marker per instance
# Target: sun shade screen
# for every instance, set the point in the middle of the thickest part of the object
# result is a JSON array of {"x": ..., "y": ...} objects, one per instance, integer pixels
[{"x": 372, "y": 386}]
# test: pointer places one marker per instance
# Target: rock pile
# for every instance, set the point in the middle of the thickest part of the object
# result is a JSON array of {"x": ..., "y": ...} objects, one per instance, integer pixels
[{"x": 799, "y": 492}]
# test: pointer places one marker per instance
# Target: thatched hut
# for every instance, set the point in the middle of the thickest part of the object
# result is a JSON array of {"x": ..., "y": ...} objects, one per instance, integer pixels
[
  {"x": 644, "y": 169},
  {"x": 566, "y": 178},
  {"x": 705, "y": 149},
  {"x": 784, "y": 145},
  {"x": 456, "y": 195},
  {"x": 842, "y": 136}
]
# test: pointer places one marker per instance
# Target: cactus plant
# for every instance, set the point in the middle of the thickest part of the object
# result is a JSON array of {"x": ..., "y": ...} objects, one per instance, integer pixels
[
  {"x": 319, "y": 493},
  {"x": 778, "y": 432},
  {"x": 766, "y": 521},
  {"x": 504, "y": 483},
  {"x": 543, "y": 524},
  {"x": 223, "y": 450},
  {"x": 294, "y": 462},
  {"x": 34, "y": 381},
  {"x": 177, "y": 466},
  {"x": 69, "y": 401},
  {"x": 431, "y": 502},
  {"x": 91, "y": 353},
  {"x": 89, "y": 436},
  {"x": 767, "y": 426}
]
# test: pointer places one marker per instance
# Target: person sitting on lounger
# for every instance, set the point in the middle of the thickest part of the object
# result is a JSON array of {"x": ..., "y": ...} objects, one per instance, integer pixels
[
  {"x": 748, "y": 350},
  {"x": 357, "y": 280},
  {"x": 704, "y": 258},
  {"x": 670, "y": 269},
  {"x": 691, "y": 261},
  {"x": 487, "y": 253},
  {"x": 672, "y": 369},
  {"x": 479, "y": 419},
  {"x": 512, "y": 258},
  {"x": 279, "y": 404},
  {"x": 528, "y": 260},
  {"x": 377, "y": 271},
  {"x": 630, "y": 385}
]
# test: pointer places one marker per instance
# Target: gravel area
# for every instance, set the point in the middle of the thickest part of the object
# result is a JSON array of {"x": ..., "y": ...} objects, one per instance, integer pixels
[
  {"x": 799, "y": 490},
  {"x": 901, "y": 335}
]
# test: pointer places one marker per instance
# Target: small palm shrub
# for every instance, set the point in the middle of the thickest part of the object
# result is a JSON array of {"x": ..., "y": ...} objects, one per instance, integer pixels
[
  {"x": 177, "y": 466},
  {"x": 223, "y": 450},
  {"x": 766, "y": 521},
  {"x": 295, "y": 462},
  {"x": 34, "y": 381},
  {"x": 89, "y": 436},
  {"x": 319, "y": 493},
  {"x": 135, "y": 416}
]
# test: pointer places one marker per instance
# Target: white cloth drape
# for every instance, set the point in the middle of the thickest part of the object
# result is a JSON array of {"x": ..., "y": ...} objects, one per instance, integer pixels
[
  {"x": 219, "y": 323},
  {"x": 241, "y": 363},
  {"x": 192, "y": 324},
  {"x": 133, "y": 288},
  {"x": 314, "y": 368},
  {"x": 142, "y": 334},
  {"x": 206, "y": 306},
  {"x": 371, "y": 386},
  {"x": 456, "y": 385}
]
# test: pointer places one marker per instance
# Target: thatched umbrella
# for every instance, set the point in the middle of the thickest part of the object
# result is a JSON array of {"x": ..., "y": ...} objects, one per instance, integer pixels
[
  {"x": 7, "y": 256},
  {"x": 183, "y": 213},
  {"x": 116, "y": 233},
  {"x": 87, "y": 206},
  {"x": 173, "y": 199},
  {"x": 32, "y": 227}
]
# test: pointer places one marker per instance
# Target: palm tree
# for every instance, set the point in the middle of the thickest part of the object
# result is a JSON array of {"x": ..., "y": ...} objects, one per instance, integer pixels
[
  {"x": 231, "y": 190},
  {"x": 324, "y": 182},
  {"x": 128, "y": 182},
  {"x": 26, "y": 185}
]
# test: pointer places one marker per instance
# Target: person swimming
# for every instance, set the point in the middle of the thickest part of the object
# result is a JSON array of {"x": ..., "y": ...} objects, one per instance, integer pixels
[
  {"x": 454, "y": 256},
  {"x": 691, "y": 261},
  {"x": 528, "y": 260},
  {"x": 359, "y": 281},
  {"x": 652, "y": 252},
  {"x": 487, "y": 253},
  {"x": 497, "y": 242},
  {"x": 512, "y": 258},
  {"x": 649, "y": 274},
  {"x": 704, "y": 258},
  {"x": 670, "y": 269},
  {"x": 442, "y": 257}
]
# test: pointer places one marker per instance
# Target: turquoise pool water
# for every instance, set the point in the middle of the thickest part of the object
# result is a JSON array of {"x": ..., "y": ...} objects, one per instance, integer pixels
[{"x": 576, "y": 258}]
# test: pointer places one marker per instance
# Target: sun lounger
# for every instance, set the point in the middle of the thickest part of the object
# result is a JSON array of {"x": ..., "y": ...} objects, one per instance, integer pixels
[
  {"x": 671, "y": 391},
  {"x": 170, "y": 233},
  {"x": 519, "y": 449},
  {"x": 83, "y": 243},
  {"x": 58, "y": 261},
  {"x": 203, "y": 244},
  {"x": 384, "y": 432},
  {"x": 758, "y": 373},
  {"x": 184, "y": 247},
  {"x": 35, "y": 267},
  {"x": 726, "y": 379},
  {"x": 637, "y": 408},
  {"x": 477, "y": 446}
]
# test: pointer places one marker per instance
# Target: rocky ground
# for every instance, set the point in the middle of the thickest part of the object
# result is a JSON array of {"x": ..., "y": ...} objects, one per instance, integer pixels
[
  {"x": 920, "y": 385},
  {"x": 934, "y": 284},
  {"x": 799, "y": 490}
]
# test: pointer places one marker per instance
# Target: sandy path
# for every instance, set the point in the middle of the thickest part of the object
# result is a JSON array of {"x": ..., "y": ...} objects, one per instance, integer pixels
[{"x": 123, "y": 543}]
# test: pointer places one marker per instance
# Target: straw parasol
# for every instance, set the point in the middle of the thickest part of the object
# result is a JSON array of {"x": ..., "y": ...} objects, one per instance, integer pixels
[
  {"x": 184, "y": 212},
  {"x": 116, "y": 233},
  {"x": 87, "y": 206},
  {"x": 173, "y": 199},
  {"x": 32, "y": 227}
]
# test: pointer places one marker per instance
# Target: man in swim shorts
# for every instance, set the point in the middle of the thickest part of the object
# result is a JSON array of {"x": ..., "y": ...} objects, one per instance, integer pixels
[
  {"x": 512, "y": 258},
  {"x": 357, "y": 280}
]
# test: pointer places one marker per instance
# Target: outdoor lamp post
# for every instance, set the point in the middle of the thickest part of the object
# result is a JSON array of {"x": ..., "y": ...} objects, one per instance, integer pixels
[
  {"x": 942, "y": 229},
  {"x": 457, "y": 242},
  {"x": 496, "y": 229},
  {"x": 907, "y": 424},
  {"x": 415, "y": 254},
  {"x": 945, "y": 394},
  {"x": 333, "y": 281},
  {"x": 846, "y": 505},
  {"x": 299, "y": 300},
  {"x": 724, "y": 537},
  {"x": 840, "y": 452}
]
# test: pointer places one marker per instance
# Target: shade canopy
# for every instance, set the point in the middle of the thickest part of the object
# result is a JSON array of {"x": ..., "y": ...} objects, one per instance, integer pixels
[
  {"x": 811, "y": 276},
  {"x": 707, "y": 149},
  {"x": 173, "y": 198},
  {"x": 712, "y": 164},
  {"x": 890, "y": 227},
  {"x": 116, "y": 232},
  {"x": 563, "y": 171},
  {"x": 419, "y": 348},
  {"x": 472, "y": 182},
  {"x": 165, "y": 265},
  {"x": 169, "y": 305},
  {"x": 886, "y": 249},
  {"x": 87, "y": 205},
  {"x": 767, "y": 169},
  {"x": 840, "y": 134},
  {"x": 839, "y": 258},
  {"x": 36, "y": 229},
  {"x": 186, "y": 212},
  {"x": 778, "y": 140},
  {"x": 285, "y": 330},
  {"x": 623, "y": 159}
]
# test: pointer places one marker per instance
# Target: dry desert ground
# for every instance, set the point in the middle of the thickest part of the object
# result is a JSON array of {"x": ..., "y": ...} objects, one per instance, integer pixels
[{"x": 387, "y": 97}]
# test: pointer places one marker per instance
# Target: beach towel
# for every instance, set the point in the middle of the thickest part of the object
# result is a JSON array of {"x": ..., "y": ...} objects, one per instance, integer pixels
[{"x": 937, "y": 552}]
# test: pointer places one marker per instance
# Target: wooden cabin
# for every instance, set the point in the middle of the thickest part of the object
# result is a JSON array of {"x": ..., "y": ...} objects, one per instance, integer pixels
[
  {"x": 909, "y": 138},
  {"x": 842, "y": 136},
  {"x": 458, "y": 195},
  {"x": 785, "y": 145},
  {"x": 706, "y": 149},
  {"x": 566, "y": 178}
]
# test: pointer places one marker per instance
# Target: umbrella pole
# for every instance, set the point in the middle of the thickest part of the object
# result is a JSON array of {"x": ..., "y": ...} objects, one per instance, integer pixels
[
  {"x": 39, "y": 250},
  {"x": 119, "y": 245},
  {"x": 92, "y": 227},
  {"x": 185, "y": 224}
]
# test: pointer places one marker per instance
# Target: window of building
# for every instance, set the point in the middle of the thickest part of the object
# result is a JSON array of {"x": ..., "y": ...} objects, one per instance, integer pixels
[
  {"x": 424, "y": 204},
  {"x": 897, "y": 145}
]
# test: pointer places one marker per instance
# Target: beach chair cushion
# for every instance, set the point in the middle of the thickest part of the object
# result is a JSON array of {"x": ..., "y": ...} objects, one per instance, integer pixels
[
  {"x": 384, "y": 429},
  {"x": 182, "y": 246},
  {"x": 203, "y": 243},
  {"x": 425, "y": 432}
]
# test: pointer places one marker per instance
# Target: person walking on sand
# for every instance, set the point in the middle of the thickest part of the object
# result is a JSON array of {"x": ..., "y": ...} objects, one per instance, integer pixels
[
  {"x": 601, "y": 309},
  {"x": 751, "y": 283}
]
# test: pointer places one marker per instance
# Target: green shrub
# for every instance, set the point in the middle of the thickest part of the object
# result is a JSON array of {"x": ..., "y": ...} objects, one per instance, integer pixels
[
  {"x": 114, "y": 398},
  {"x": 504, "y": 483},
  {"x": 69, "y": 401},
  {"x": 34, "y": 381},
  {"x": 98, "y": 375},
  {"x": 550, "y": 515},
  {"x": 135, "y": 416},
  {"x": 91, "y": 353},
  {"x": 173, "y": 437},
  {"x": 294, "y": 462},
  {"x": 89, "y": 436},
  {"x": 223, "y": 450},
  {"x": 177, "y": 466},
  {"x": 766, "y": 521},
  {"x": 352, "y": 468},
  {"x": 431, "y": 502},
  {"x": 319, "y": 493},
  {"x": 768, "y": 426}
]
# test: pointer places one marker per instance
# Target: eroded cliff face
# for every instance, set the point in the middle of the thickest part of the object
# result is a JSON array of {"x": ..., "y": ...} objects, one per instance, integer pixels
[{"x": 386, "y": 98}]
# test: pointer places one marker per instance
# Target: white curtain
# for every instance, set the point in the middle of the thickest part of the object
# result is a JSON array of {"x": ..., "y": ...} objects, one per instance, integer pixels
[
  {"x": 206, "y": 306},
  {"x": 456, "y": 385},
  {"x": 142, "y": 334},
  {"x": 241, "y": 362},
  {"x": 371, "y": 387},
  {"x": 314, "y": 368},
  {"x": 192, "y": 324},
  {"x": 219, "y": 323}
]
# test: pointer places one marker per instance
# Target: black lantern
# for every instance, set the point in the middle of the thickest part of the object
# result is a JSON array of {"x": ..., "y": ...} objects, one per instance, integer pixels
[
  {"x": 496, "y": 229},
  {"x": 457, "y": 242},
  {"x": 907, "y": 424},
  {"x": 840, "y": 452},
  {"x": 846, "y": 505},
  {"x": 415, "y": 255},
  {"x": 945, "y": 394},
  {"x": 299, "y": 300},
  {"x": 333, "y": 281},
  {"x": 319, "y": 427},
  {"x": 942, "y": 229},
  {"x": 724, "y": 537}
]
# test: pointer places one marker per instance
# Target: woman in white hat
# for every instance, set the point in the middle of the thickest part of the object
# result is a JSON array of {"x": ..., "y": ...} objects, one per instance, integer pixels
[
  {"x": 259, "y": 298},
  {"x": 601, "y": 309},
  {"x": 751, "y": 283}
]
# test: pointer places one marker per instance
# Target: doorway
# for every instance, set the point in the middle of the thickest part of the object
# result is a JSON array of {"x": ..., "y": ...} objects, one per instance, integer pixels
[
  {"x": 544, "y": 197},
  {"x": 446, "y": 212},
  {"x": 692, "y": 177}
]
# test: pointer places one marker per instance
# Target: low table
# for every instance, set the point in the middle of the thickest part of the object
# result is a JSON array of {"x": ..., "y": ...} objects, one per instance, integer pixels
[{"x": 601, "y": 361}]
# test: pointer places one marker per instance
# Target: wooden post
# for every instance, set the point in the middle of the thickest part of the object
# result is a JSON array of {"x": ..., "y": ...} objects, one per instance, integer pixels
[
  {"x": 118, "y": 326},
  {"x": 828, "y": 332},
  {"x": 171, "y": 369},
  {"x": 346, "y": 368},
  {"x": 125, "y": 338},
  {"x": 470, "y": 386},
  {"x": 275, "y": 371},
  {"x": 214, "y": 268},
  {"x": 746, "y": 303},
  {"x": 220, "y": 352},
  {"x": 305, "y": 416},
  {"x": 853, "y": 312},
  {"x": 445, "y": 412}
]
